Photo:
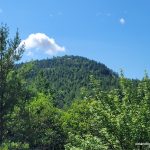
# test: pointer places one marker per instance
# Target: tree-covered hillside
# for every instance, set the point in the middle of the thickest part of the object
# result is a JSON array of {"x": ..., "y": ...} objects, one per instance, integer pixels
[
  {"x": 65, "y": 76},
  {"x": 109, "y": 113}
]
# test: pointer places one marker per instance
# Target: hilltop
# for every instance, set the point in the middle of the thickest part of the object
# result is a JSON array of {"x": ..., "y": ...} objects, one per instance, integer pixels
[{"x": 65, "y": 76}]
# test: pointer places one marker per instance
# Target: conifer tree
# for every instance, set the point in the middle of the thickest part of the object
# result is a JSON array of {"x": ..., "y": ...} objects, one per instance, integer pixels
[{"x": 10, "y": 52}]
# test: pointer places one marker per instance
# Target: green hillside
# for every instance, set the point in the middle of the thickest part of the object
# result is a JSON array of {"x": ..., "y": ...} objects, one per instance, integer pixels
[{"x": 65, "y": 76}]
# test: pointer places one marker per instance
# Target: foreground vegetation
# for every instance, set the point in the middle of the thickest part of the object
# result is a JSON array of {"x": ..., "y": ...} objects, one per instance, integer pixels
[{"x": 97, "y": 119}]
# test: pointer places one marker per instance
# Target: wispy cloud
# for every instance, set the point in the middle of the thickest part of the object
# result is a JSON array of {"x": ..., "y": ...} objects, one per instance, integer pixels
[
  {"x": 99, "y": 14},
  {"x": 1, "y": 10},
  {"x": 51, "y": 15},
  {"x": 104, "y": 14},
  {"x": 40, "y": 43},
  {"x": 108, "y": 14},
  {"x": 59, "y": 13},
  {"x": 122, "y": 21},
  {"x": 55, "y": 14}
]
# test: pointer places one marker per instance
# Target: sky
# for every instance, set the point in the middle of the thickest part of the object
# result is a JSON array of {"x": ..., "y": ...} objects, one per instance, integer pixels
[{"x": 113, "y": 32}]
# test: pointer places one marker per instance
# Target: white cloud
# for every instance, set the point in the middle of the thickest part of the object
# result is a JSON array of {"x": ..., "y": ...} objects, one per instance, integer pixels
[
  {"x": 39, "y": 43},
  {"x": 122, "y": 21}
]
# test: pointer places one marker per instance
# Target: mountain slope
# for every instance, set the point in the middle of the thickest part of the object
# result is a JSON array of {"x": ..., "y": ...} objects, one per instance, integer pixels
[{"x": 64, "y": 76}]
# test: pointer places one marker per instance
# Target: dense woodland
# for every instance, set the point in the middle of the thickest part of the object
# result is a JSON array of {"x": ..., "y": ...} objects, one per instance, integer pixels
[
  {"x": 68, "y": 103},
  {"x": 64, "y": 77}
]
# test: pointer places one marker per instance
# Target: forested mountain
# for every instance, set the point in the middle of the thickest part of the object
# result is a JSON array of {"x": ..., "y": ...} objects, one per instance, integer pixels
[
  {"x": 65, "y": 76},
  {"x": 109, "y": 113}
]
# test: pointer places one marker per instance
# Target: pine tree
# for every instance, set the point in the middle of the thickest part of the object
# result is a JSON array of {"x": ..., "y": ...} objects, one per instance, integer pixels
[{"x": 10, "y": 52}]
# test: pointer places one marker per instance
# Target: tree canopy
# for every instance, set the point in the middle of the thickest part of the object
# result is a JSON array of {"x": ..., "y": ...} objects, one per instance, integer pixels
[{"x": 69, "y": 103}]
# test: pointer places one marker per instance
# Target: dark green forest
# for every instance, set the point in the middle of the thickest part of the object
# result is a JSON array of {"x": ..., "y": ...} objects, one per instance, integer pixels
[
  {"x": 69, "y": 103},
  {"x": 64, "y": 77}
]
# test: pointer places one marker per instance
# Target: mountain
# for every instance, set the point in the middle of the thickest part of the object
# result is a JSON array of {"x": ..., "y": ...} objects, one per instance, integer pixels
[{"x": 65, "y": 76}]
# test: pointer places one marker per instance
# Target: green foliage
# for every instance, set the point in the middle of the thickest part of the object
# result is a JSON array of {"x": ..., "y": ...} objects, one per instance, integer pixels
[
  {"x": 64, "y": 76},
  {"x": 109, "y": 113},
  {"x": 119, "y": 118},
  {"x": 39, "y": 126},
  {"x": 15, "y": 146},
  {"x": 87, "y": 142},
  {"x": 9, "y": 54}
]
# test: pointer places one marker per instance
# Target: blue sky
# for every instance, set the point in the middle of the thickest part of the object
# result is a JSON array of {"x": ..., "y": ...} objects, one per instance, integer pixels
[{"x": 114, "y": 32}]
